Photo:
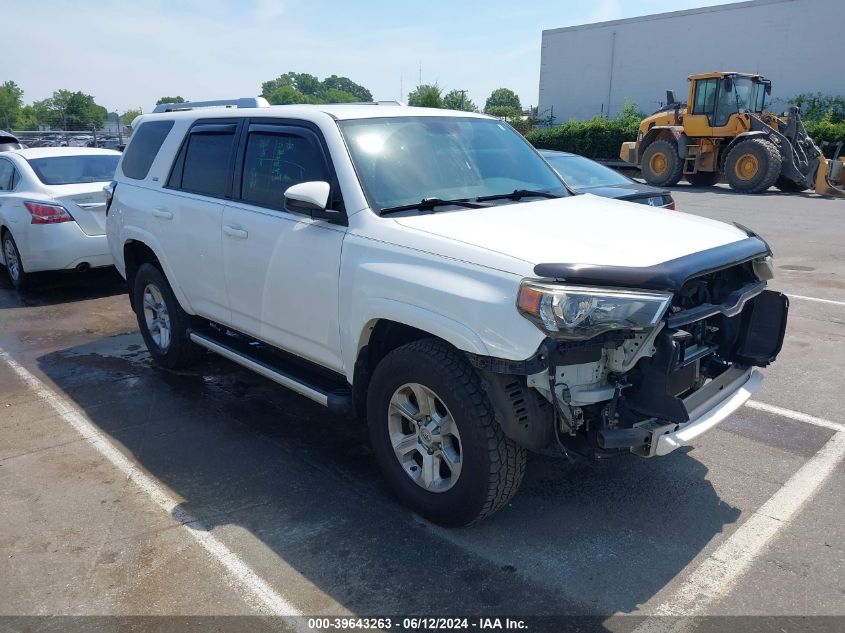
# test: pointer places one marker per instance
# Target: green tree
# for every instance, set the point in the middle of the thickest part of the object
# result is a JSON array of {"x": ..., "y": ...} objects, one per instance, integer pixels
[
  {"x": 335, "y": 95},
  {"x": 347, "y": 85},
  {"x": 285, "y": 94},
  {"x": 171, "y": 100},
  {"x": 127, "y": 117},
  {"x": 334, "y": 89},
  {"x": 457, "y": 100},
  {"x": 426, "y": 96},
  {"x": 70, "y": 111},
  {"x": 11, "y": 103},
  {"x": 27, "y": 119},
  {"x": 502, "y": 98},
  {"x": 820, "y": 107}
]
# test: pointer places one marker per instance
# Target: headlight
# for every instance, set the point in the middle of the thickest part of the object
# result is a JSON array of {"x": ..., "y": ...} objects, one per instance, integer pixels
[{"x": 578, "y": 313}]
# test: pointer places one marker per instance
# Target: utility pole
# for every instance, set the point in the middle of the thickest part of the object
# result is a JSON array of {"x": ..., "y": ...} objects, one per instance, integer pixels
[
  {"x": 401, "y": 88},
  {"x": 463, "y": 98},
  {"x": 420, "y": 81}
]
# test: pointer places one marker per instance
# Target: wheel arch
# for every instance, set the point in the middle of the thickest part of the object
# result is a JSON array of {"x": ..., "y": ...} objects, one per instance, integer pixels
[
  {"x": 660, "y": 132},
  {"x": 141, "y": 249},
  {"x": 381, "y": 335},
  {"x": 723, "y": 154}
]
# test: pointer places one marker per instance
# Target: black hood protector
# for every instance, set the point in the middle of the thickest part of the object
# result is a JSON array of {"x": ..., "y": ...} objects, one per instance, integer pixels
[{"x": 670, "y": 275}]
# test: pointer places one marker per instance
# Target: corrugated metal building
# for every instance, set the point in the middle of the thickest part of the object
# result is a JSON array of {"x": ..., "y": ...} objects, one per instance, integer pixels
[{"x": 590, "y": 69}]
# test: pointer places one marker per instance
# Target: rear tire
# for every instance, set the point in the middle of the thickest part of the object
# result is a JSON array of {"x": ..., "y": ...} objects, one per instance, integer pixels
[
  {"x": 14, "y": 266},
  {"x": 703, "y": 178},
  {"x": 162, "y": 321},
  {"x": 479, "y": 468},
  {"x": 661, "y": 165},
  {"x": 790, "y": 186},
  {"x": 753, "y": 165}
]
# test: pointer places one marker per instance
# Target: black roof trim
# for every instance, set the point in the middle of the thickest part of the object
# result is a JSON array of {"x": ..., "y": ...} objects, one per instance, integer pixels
[{"x": 670, "y": 275}]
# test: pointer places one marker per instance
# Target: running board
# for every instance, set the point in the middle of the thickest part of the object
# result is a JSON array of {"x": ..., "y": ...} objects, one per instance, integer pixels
[{"x": 337, "y": 399}]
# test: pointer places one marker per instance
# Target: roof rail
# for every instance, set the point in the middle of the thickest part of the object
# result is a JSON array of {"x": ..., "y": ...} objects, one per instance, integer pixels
[{"x": 246, "y": 102}]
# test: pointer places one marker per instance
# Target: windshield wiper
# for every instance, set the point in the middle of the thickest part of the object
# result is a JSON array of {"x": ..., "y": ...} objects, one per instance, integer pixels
[
  {"x": 429, "y": 204},
  {"x": 518, "y": 194}
]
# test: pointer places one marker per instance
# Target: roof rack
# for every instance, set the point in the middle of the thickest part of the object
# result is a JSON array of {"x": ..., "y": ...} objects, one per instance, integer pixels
[{"x": 246, "y": 102}]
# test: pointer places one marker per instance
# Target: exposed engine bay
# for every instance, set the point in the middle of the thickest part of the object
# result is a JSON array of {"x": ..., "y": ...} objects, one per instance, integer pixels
[{"x": 619, "y": 391}]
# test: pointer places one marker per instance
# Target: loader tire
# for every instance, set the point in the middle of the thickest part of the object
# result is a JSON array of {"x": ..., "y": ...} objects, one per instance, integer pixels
[
  {"x": 790, "y": 186},
  {"x": 661, "y": 165},
  {"x": 752, "y": 166},
  {"x": 703, "y": 178}
]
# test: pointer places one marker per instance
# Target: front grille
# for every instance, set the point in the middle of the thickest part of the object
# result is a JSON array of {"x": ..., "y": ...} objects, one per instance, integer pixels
[{"x": 713, "y": 288}]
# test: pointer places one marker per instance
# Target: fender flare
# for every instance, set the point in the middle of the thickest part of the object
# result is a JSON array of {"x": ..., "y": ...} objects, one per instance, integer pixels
[
  {"x": 446, "y": 328},
  {"x": 654, "y": 131},
  {"x": 743, "y": 136},
  {"x": 137, "y": 234}
]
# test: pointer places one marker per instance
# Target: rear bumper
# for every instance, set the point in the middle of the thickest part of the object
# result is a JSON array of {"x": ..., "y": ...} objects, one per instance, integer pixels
[{"x": 61, "y": 247}]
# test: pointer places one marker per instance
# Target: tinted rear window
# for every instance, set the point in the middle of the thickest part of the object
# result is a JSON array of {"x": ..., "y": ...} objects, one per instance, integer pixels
[
  {"x": 141, "y": 152},
  {"x": 206, "y": 166},
  {"x": 69, "y": 170}
]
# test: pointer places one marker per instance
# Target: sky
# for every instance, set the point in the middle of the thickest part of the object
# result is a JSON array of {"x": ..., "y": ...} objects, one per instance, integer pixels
[{"x": 128, "y": 54}]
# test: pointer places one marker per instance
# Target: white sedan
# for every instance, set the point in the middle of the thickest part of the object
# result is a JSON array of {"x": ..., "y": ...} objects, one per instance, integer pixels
[{"x": 53, "y": 209}]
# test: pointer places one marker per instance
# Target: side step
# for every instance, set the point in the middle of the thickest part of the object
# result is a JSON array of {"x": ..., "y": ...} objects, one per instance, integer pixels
[{"x": 329, "y": 392}]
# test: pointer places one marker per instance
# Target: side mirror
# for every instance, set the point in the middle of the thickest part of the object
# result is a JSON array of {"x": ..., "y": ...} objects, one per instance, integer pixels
[
  {"x": 768, "y": 87},
  {"x": 670, "y": 97},
  {"x": 311, "y": 198},
  {"x": 729, "y": 83}
]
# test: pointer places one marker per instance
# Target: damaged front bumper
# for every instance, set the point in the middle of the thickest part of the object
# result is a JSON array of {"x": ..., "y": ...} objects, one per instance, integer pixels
[{"x": 708, "y": 407}]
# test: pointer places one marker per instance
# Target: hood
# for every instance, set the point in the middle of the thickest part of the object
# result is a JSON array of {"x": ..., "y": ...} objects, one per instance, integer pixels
[{"x": 582, "y": 229}]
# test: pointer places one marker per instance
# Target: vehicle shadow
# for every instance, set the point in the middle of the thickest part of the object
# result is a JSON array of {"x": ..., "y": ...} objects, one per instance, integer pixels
[
  {"x": 54, "y": 288},
  {"x": 577, "y": 540}
]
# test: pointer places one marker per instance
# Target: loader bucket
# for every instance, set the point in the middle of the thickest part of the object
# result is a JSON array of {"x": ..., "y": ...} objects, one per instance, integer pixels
[{"x": 830, "y": 177}]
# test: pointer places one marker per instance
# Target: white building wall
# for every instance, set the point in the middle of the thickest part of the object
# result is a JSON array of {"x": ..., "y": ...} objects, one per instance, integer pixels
[{"x": 590, "y": 69}]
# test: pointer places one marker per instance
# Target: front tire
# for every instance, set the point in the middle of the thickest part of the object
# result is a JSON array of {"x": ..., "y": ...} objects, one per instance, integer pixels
[
  {"x": 14, "y": 266},
  {"x": 661, "y": 165},
  {"x": 752, "y": 166},
  {"x": 163, "y": 323},
  {"x": 435, "y": 436}
]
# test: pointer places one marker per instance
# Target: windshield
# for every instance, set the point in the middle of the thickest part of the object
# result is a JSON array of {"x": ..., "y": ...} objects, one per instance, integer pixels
[
  {"x": 69, "y": 170},
  {"x": 581, "y": 173},
  {"x": 403, "y": 160}
]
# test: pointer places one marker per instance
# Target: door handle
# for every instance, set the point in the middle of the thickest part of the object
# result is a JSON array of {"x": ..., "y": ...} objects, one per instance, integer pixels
[
  {"x": 164, "y": 214},
  {"x": 235, "y": 232}
]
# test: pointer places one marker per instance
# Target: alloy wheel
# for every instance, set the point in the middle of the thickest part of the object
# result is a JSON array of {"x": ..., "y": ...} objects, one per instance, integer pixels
[
  {"x": 424, "y": 437},
  {"x": 157, "y": 317}
]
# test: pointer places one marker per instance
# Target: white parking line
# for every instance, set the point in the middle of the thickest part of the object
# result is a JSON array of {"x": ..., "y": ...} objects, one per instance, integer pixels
[
  {"x": 803, "y": 298},
  {"x": 720, "y": 571},
  {"x": 795, "y": 415},
  {"x": 255, "y": 590}
]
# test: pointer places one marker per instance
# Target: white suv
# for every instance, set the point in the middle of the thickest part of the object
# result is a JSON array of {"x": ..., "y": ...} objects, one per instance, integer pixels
[{"x": 429, "y": 270}]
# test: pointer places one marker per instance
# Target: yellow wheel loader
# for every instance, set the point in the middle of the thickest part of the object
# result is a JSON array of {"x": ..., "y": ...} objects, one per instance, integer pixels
[{"x": 724, "y": 131}]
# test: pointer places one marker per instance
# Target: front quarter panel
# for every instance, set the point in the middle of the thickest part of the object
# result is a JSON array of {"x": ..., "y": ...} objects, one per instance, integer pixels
[{"x": 470, "y": 306}]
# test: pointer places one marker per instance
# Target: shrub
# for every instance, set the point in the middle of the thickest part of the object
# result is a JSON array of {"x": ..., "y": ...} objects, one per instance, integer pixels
[
  {"x": 826, "y": 132},
  {"x": 595, "y": 138}
]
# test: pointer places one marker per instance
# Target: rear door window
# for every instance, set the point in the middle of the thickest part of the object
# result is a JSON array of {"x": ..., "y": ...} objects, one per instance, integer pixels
[
  {"x": 205, "y": 160},
  {"x": 142, "y": 150}
]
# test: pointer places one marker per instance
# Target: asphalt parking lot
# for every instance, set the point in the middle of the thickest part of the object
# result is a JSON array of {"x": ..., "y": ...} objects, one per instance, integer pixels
[{"x": 129, "y": 490}]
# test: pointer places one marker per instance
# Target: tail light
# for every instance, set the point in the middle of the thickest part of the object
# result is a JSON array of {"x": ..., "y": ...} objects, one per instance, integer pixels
[
  {"x": 109, "y": 191},
  {"x": 45, "y": 213}
]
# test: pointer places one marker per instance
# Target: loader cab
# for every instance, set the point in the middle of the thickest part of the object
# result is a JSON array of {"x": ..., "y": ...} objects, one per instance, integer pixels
[{"x": 715, "y": 97}]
